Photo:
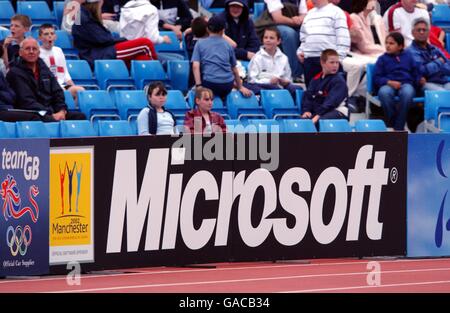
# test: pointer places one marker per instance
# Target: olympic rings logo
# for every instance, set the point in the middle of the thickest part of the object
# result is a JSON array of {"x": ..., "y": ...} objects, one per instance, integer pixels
[{"x": 18, "y": 239}]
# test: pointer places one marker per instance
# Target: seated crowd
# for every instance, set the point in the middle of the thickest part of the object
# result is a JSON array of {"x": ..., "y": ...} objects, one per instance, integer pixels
[{"x": 322, "y": 46}]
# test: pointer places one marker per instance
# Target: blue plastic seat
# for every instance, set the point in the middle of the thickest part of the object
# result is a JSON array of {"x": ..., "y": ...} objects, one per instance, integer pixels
[
  {"x": 81, "y": 74},
  {"x": 234, "y": 126},
  {"x": 68, "y": 99},
  {"x": 173, "y": 47},
  {"x": 38, "y": 11},
  {"x": 447, "y": 41},
  {"x": 64, "y": 41},
  {"x": 298, "y": 126},
  {"x": 133, "y": 125},
  {"x": 440, "y": 15},
  {"x": 176, "y": 103},
  {"x": 258, "y": 9},
  {"x": 4, "y": 33},
  {"x": 130, "y": 103},
  {"x": 114, "y": 128},
  {"x": 437, "y": 110},
  {"x": 279, "y": 103},
  {"x": 31, "y": 129},
  {"x": 97, "y": 104},
  {"x": 265, "y": 126},
  {"x": 240, "y": 107},
  {"x": 78, "y": 128},
  {"x": 58, "y": 10},
  {"x": 178, "y": 74},
  {"x": 112, "y": 74},
  {"x": 5, "y": 131},
  {"x": 6, "y": 12},
  {"x": 370, "y": 126},
  {"x": 53, "y": 129},
  {"x": 145, "y": 72},
  {"x": 299, "y": 99},
  {"x": 10, "y": 129},
  {"x": 339, "y": 125}
]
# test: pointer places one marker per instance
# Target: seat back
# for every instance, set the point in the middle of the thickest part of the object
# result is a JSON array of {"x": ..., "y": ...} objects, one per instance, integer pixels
[
  {"x": 38, "y": 11},
  {"x": 114, "y": 128},
  {"x": 298, "y": 126},
  {"x": 440, "y": 15},
  {"x": 174, "y": 46},
  {"x": 130, "y": 102},
  {"x": 341, "y": 125},
  {"x": 370, "y": 126},
  {"x": 5, "y": 131},
  {"x": 31, "y": 129},
  {"x": 176, "y": 103},
  {"x": 436, "y": 103},
  {"x": 145, "y": 72},
  {"x": 112, "y": 74},
  {"x": 178, "y": 74},
  {"x": 265, "y": 126},
  {"x": 97, "y": 104},
  {"x": 81, "y": 74},
  {"x": 6, "y": 12},
  {"x": 64, "y": 41},
  {"x": 278, "y": 103},
  {"x": 79, "y": 128},
  {"x": 53, "y": 129},
  {"x": 242, "y": 107}
]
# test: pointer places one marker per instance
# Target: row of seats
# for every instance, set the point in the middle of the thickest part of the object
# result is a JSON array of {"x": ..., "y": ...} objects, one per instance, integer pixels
[
  {"x": 126, "y": 104},
  {"x": 437, "y": 111},
  {"x": 71, "y": 129},
  {"x": 38, "y": 11},
  {"x": 113, "y": 74}
]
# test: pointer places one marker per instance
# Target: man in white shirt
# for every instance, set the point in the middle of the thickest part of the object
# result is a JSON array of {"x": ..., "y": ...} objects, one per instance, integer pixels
[
  {"x": 400, "y": 16},
  {"x": 55, "y": 60}
]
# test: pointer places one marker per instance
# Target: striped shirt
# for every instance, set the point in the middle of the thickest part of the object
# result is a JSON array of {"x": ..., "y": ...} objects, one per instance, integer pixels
[{"x": 324, "y": 28}]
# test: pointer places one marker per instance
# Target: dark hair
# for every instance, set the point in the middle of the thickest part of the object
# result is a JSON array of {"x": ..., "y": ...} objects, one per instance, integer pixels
[
  {"x": 273, "y": 29},
  {"x": 199, "y": 27},
  {"x": 328, "y": 53},
  {"x": 216, "y": 24},
  {"x": 156, "y": 85},
  {"x": 358, "y": 6},
  {"x": 397, "y": 37},
  {"x": 45, "y": 26}
]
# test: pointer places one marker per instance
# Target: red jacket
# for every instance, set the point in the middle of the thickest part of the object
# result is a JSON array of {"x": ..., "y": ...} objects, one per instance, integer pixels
[{"x": 214, "y": 119}]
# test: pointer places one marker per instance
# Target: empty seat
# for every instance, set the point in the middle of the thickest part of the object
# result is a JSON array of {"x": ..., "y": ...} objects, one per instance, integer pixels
[
  {"x": 4, "y": 33},
  {"x": 437, "y": 111},
  {"x": 130, "y": 103},
  {"x": 81, "y": 74},
  {"x": 112, "y": 74},
  {"x": 64, "y": 41},
  {"x": 265, "y": 126},
  {"x": 178, "y": 74},
  {"x": 370, "y": 126},
  {"x": 114, "y": 128},
  {"x": 6, "y": 12},
  {"x": 5, "y": 131},
  {"x": 440, "y": 15},
  {"x": 235, "y": 126},
  {"x": 173, "y": 47},
  {"x": 38, "y": 11},
  {"x": 97, "y": 104},
  {"x": 31, "y": 129},
  {"x": 334, "y": 126},
  {"x": 278, "y": 103},
  {"x": 176, "y": 103},
  {"x": 78, "y": 128},
  {"x": 58, "y": 10},
  {"x": 297, "y": 126},
  {"x": 241, "y": 107},
  {"x": 53, "y": 129},
  {"x": 68, "y": 99},
  {"x": 145, "y": 72}
]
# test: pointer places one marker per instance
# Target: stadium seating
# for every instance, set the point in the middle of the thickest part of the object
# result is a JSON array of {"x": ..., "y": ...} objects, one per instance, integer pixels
[
  {"x": 31, "y": 129},
  {"x": 173, "y": 47},
  {"x": 447, "y": 41},
  {"x": 265, "y": 125},
  {"x": 437, "y": 111},
  {"x": 4, "y": 33},
  {"x": 11, "y": 129},
  {"x": 64, "y": 41},
  {"x": 130, "y": 103},
  {"x": 97, "y": 104},
  {"x": 114, "y": 128},
  {"x": 240, "y": 107},
  {"x": 145, "y": 72},
  {"x": 112, "y": 74},
  {"x": 370, "y": 126},
  {"x": 176, "y": 103},
  {"x": 58, "y": 10},
  {"x": 234, "y": 126},
  {"x": 178, "y": 74},
  {"x": 440, "y": 15},
  {"x": 5, "y": 131},
  {"x": 53, "y": 129},
  {"x": 341, "y": 125},
  {"x": 78, "y": 128},
  {"x": 297, "y": 126},
  {"x": 38, "y": 11},
  {"x": 299, "y": 99},
  {"x": 81, "y": 74},
  {"x": 258, "y": 9},
  {"x": 278, "y": 103},
  {"x": 69, "y": 101},
  {"x": 6, "y": 12}
]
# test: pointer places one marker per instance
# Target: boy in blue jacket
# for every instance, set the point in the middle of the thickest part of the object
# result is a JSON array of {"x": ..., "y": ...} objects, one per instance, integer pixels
[{"x": 327, "y": 92}]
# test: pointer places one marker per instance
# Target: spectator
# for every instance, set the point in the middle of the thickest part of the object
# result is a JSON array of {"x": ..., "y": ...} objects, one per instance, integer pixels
[
  {"x": 174, "y": 15},
  {"x": 71, "y": 14},
  {"x": 399, "y": 18},
  {"x": 199, "y": 30},
  {"x": 240, "y": 28},
  {"x": 95, "y": 42},
  {"x": 155, "y": 119},
  {"x": 214, "y": 62},
  {"x": 324, "y": 27},
  {"x": 202, "y": 119},
  {"x": 287, "y": 17},
  {"x": 433, "y": 66},
  {"x": 327, "y": 92},
  {"x": 56, "y": 61},
  {"x": 396, "y": 74},
  {"x": 36, "y": 88},
  {"x": 20, "y": 24},
  {"x": 269, "y": 68}
]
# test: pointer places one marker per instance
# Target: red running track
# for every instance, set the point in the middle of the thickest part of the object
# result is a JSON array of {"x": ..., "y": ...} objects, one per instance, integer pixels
[{"x": 337, "y": 275}]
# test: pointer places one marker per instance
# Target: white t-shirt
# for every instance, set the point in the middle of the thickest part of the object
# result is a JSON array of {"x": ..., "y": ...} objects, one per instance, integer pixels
[
  {"x": 165, "y": 124},
  {"x": 275, "y": 5},
  {"x": 56, "y": 62}
]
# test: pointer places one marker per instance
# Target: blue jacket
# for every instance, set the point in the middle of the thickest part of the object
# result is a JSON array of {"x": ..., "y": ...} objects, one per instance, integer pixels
[
  {"x": 153, "y": 119},
  {"x": 401, "y": 68},
  {"x": 325, "y": 94},
  {"x": 243, "y": 32},
  {"x": 92, "y": 39},
  {"x": 184, "y": 16},
  {"x": 7, "y": 95},
  {"x": 430, "y": 67}
]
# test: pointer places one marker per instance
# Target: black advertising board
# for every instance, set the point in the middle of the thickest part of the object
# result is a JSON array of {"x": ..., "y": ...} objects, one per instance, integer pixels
[{"x": 316, "y": 196}]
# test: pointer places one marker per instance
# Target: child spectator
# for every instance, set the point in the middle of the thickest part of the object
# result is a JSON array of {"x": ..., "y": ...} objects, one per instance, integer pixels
[
  {"x": 269, "y": 68},
  {"x": 56, "y": 61},
  {"x": 202, "y": 119},
  {"x": 214, "y": 62},
  {"x": 396, "y": 74},
  {"x": 327, "y": 91},
  {"x": 95, "y": 42},
  {"x": 155, "y": 119},
  {"x": 20, "y": 24}
]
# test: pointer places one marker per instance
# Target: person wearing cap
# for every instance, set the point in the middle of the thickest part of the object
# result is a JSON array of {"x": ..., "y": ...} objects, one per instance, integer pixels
[
  {"x": 240, "y": 28},
  {"x": 95, "y": 42},
  {"x": 214, "y": 62}
]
